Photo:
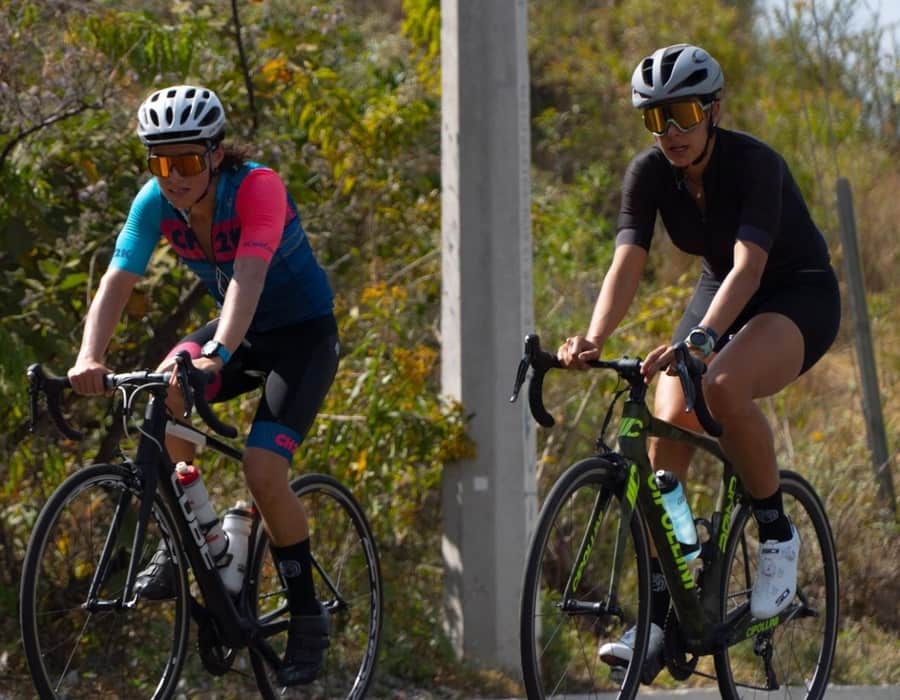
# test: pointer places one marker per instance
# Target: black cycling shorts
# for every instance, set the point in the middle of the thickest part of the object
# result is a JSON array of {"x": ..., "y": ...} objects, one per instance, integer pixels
[
  {"x": 295, "y": 365},
  {"x": 810, "y": 298}
]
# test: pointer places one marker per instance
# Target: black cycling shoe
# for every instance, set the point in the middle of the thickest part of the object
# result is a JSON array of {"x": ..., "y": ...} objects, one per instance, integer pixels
[
  {"x": 157, "y": 580},
  {"x": 307, "y": 642}
]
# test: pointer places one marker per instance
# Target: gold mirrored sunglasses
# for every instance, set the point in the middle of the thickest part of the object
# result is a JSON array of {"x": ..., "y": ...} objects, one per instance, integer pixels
[
  {"x": 685, "y": 115},
  {"x": 187, "y": 165}
]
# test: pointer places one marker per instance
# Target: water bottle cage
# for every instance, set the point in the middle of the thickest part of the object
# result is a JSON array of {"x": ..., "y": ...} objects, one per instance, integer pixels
[{"x": 223, "y": 558}]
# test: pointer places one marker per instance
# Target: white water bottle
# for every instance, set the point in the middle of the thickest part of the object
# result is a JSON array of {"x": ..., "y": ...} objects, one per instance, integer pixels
[
  {"x": 679, "y": 510},
  {"x": 198, "y": 498},
  {"x": 237, "y": 524}
]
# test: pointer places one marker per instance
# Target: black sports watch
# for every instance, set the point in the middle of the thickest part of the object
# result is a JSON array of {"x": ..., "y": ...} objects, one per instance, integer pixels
[
  {"x": 702, "y": 339},
  {"x": 213, "y": 348}
]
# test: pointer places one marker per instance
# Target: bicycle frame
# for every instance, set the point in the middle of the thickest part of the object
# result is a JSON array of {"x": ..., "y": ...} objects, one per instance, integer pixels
[
  {"x": 698, "y": 616},
  {"x": 157, "y": 473},
  {"x": 699, "y": 612}
]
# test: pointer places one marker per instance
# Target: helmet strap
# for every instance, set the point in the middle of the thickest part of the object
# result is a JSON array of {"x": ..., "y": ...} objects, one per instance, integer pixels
[
  {"x": 710, "y": 130},
  {"x": 212, "y": 172}
]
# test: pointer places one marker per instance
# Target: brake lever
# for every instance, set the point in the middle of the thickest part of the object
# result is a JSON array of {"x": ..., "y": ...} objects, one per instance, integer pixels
[
  {"x": 182, "y": 363},
  {"x": 521, "y": 372}
]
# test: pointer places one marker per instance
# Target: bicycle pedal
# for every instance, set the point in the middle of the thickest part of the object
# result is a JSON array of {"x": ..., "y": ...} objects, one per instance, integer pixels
[
  {"x": 651, "y": 668},
  {"x": 617, "y": 674}
]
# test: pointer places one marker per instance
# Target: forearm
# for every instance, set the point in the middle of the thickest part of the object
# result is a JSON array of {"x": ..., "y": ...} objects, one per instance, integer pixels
[
  {"x": 241, "y": 300},
  {"x": 616, "y": 293},
  {"x": 736, "y": 290},
  {"x": 104, "y": 314}
]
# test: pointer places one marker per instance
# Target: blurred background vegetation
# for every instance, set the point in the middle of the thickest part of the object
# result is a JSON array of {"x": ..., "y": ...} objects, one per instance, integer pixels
[{"x": 342, "y": 98}]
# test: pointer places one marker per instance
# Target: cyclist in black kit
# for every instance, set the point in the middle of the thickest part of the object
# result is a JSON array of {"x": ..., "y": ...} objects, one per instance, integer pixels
[{"x": 766, "y": 280}]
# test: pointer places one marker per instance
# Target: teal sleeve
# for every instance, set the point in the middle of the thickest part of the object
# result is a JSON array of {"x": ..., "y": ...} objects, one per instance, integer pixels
[{"x": 141, "y": 231}]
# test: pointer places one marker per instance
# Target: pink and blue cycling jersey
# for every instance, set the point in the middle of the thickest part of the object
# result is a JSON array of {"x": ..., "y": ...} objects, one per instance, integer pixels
[{"x": 254, "y": 216}]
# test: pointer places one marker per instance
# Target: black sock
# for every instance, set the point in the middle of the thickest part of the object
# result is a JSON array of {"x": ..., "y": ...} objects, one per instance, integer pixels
[
  {"x": 773, "y": 523},
  {"x": 295, "y": 564},
  {"x": 659, "y": 594}
]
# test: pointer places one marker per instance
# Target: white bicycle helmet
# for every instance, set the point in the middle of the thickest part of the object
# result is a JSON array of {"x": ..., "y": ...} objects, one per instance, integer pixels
[
  {"x": 681, "y": 70},
  {"x": 181, "y": 113}
]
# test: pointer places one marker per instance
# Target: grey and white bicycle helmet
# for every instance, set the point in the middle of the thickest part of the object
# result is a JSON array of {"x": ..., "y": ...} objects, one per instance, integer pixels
[
  {"x": 181, "y": 113},
  {"x": 680, "y": 70}
]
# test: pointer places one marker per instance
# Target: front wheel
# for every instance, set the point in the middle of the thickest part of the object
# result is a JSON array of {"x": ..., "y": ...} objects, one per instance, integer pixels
[
  {"x": 794, "y": 659},
  {"x": 587, "y": 581},
  {"x": 347, "y": 577},
  {"x": 80, "y": 645}
]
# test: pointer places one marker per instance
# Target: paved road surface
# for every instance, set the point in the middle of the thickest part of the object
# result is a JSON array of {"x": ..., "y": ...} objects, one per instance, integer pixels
[{"x": 847, "y": 692}]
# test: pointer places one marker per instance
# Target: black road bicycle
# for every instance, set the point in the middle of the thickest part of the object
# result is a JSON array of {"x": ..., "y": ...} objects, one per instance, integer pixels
[
  {"x": 587, "y": 573},
  {"x": 85, "y": 632}
]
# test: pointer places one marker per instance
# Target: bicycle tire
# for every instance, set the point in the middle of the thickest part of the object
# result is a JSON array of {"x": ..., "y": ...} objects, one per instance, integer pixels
[
  {"x": 344, "y": 550},
  {"x": 75, "y": 653},
  {"x": 558, "y": 648},
  {"x": 808, "y": 639}
]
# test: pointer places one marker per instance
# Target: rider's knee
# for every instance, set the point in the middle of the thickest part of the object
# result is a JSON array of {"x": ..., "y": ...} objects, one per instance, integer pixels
[
  {"x": 724, "y": 395},
  {"x": 264, "y": 472}
]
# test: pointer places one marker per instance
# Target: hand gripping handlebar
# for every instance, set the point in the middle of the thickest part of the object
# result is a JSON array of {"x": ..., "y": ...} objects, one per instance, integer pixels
[
  {"x": 688, "y": 368},
  {"x": 191, "y": 380}
]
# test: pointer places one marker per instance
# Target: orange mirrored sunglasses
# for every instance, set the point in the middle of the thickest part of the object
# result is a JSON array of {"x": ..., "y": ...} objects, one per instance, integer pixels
[
  {"x": 187, "y": 165},
  {"x": 685, "y": 115}
]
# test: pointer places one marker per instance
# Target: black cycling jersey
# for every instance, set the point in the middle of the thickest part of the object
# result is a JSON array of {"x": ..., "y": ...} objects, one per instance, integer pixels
[{"x": 749, "y": 194}]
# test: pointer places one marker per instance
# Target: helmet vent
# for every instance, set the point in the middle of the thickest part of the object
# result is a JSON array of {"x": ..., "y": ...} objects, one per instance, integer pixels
[
  {"x": 190, "y": 94},
  {"x": 667, "y": 64},
  {"x": 210, "y": 117},
  {"x": 169, "y": 115},
  {"x": 695, "y": 78}
]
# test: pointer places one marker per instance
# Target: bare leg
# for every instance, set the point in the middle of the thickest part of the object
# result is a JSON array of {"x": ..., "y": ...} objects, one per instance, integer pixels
[
  {"x": 282, "y": 513},
  {"x": 732, "y": 385}
]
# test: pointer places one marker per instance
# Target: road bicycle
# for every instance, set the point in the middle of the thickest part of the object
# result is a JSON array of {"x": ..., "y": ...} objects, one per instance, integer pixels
[
  {"x": 587, "y": 574},
  {"x": 87, "y": 634}
]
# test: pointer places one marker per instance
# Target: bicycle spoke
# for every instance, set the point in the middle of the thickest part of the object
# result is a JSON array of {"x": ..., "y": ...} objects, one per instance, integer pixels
[
  {"x": 80, "y": 549},
  {"x": 577, "y": 559},
  {"x": 796, "y": 656},
  {"x": 347, "y": 584}
]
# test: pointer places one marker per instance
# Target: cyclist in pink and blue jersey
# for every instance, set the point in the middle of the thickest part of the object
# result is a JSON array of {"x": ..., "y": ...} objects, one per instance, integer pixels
[{"x": 235, "y": 225}]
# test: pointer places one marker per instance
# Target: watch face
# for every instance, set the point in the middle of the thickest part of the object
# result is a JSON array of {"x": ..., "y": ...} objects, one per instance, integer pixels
[
  {"x": 209, "y": 348},
  {"x": 698, "y": 338}
]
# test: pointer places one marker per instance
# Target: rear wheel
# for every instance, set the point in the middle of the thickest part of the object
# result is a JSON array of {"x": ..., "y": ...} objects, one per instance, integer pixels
[
  {"x": 348, "y": 583},
  {"x": 793, "y": 660},
  {"x": 587, "y": 581},
  {"x": 88, "y": 648}
]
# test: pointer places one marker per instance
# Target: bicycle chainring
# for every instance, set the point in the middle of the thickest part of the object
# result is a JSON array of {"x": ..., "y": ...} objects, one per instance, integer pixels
[
  {"x": 216, "y": 658},
  {"x": 680, "y": 667}
]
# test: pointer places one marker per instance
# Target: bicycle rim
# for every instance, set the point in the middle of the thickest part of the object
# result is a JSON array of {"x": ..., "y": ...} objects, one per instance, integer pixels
[
  {"x": 76, "y": 652},
  {"x": 801, "y": 651},
  {"x": 348, "y": 583},
  {"x": 560, "y": 637}
]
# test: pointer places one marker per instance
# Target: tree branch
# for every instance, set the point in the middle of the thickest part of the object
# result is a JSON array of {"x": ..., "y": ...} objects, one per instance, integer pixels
[
  {"x": 248, "y": 82},
  {"x": 49, "y": 121}
]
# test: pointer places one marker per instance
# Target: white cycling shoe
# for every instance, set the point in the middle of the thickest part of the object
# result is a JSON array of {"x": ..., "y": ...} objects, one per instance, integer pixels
[
  {"x": 776, "y": 577},
  {"x": 619, "y": 653}
]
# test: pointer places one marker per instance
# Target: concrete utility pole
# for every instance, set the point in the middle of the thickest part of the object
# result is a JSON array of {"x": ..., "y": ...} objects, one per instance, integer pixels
[{"x": 489, "y": 502}]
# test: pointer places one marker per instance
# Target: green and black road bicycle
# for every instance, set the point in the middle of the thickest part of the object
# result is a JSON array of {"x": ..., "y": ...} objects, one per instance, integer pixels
[
  {"x": 88, "y": 635},
  {"x": 587, "y": 574}
]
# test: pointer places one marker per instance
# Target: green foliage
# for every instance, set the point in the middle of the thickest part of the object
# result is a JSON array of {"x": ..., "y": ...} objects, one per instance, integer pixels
[{"x": 346, "y": 108}]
